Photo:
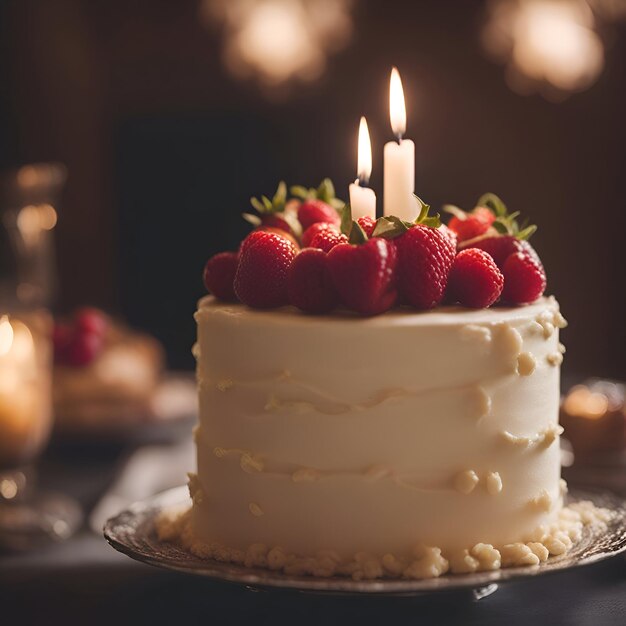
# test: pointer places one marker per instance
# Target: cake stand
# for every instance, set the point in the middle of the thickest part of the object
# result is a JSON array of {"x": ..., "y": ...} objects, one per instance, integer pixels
[{"x": 132, "y": 532}]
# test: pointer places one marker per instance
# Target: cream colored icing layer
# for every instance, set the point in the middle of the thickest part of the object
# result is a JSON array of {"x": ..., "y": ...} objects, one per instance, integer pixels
[
  {"x": 420, "y": 562},
  {"x": 376, "y": 435}
]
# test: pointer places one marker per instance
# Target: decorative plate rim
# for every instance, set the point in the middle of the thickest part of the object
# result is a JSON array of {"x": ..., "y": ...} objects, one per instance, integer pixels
[{"x": 131, "y": 532}]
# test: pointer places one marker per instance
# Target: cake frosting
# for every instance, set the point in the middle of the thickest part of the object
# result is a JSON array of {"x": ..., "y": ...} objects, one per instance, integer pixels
[{"x": 411, "y": 444}]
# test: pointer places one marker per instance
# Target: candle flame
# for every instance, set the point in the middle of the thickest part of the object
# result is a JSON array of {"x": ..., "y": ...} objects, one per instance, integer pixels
[
  {"x": 397, "y": 107},
  {"x": 364, "y": 162},
  {"x": 6, "y": 335}
]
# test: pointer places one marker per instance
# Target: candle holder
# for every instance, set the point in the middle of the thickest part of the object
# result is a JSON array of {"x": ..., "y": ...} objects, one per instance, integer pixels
[{"x": 27, "y": 218}]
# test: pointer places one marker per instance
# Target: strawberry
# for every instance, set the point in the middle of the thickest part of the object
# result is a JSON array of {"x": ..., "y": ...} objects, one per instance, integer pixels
[
  {"x": 450, "y": 234},
  {"x": 327, "y": 239},
  {"x": 309, "y": 284},
  {"x": 281, "y": 233},
  {"x": 82, "y": 350},
  {"x": 219, "y": 275},
  {"x": 500, "y": 247},
  {"x": 365, "y": 275},
  {"x": 314, "y": 229},
  {"x": 261, "y": 277},
  {"x": 312, "y": 211},
  {"x": 367, "y": 224},
  {"x": 475, "y": 280},
  {"x": 273, "y": 214},
  {"x": 91, "y": 320},
  {"x": 273, "y": 220},
  {"x": 251, "y": 239},
  {"x": 524, "y": 279},
  {"x": 470, "y": 225},
  {"x": 425, "y": 256}
]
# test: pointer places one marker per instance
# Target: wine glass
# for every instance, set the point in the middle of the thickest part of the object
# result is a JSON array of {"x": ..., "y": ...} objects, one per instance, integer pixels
[{"x": 27, "y": 280}]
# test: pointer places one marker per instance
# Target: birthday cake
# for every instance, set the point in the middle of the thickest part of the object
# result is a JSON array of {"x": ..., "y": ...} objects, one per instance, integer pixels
[{"x": 378, "y": 397}]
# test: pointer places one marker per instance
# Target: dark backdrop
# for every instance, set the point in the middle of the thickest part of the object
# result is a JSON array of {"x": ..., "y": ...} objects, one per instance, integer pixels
[{"x": 164, "y": 149}]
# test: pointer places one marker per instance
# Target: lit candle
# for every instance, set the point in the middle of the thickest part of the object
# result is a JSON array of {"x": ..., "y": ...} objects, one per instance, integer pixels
[
  {"x": 362, "y": 198},
  {"x": 399, "y": 158},
  {"x": 24, "y": 393}
]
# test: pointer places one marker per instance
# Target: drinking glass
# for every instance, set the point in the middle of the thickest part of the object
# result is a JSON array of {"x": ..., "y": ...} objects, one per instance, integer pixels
[{"x": 28, "y": 197}]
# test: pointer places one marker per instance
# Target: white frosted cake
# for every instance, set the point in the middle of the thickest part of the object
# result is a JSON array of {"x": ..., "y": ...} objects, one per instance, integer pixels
[
  {"x": 342, "y": 436},
  {"x": 347, "y": 435}
]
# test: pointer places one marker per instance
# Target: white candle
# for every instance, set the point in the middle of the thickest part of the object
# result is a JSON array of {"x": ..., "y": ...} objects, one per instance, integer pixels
[
  {"x": 25, "y": 392},
  {"x": 399, "y": 158},
  {"x": 362, "y": 198}
]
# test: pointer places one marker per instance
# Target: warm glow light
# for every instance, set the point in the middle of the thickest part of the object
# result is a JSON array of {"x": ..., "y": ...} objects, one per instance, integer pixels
[
  {"x": 280, "y": 40},
  {"x": 364, "y": 161},
  {"x": 6, "y": 335},
  {"x": 23, "y": 348},
  {"x": 47, "y": 216},
  {"x": 277, "y": 57},
  {"x": 548, "y": 43},
  {"x": 397, "y": 106},
  {"x": 582, "y": 402}
]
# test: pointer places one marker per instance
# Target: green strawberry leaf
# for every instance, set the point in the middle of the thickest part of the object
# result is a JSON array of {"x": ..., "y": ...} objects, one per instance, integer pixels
[
  {"x": 294, "y": 223},
  {"x": 433, "y": 221},
  {"x": 267, "y": 203},
  {"x": 456, "y": 211},
  {"x": 326, "y": 190},
  {"x": 500, "y": 227},
  {"x": 527, "y": 232},
  {"x": 299, "y": 192},
  {"x": 280, "y": 197},
  {"x": 346, "y": 219},
  {"x": 493, "y": 202},
  {"x": 390, "y": 227},
  {"x": 276, "y": 205},
  {"x": 257, "y": 204},
  {"x": 255, "y": 220},
  {"x": 357, "y": 234}
]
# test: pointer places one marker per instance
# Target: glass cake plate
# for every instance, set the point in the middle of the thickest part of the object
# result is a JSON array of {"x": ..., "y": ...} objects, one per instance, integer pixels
[{"x": 132, "y": 532}]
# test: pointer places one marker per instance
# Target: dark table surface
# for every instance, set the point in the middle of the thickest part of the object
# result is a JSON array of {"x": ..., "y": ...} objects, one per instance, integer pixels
[{"x": 84, "y": 581}]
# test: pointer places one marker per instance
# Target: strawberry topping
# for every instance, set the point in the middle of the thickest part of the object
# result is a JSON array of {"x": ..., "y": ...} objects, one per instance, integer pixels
[
  {"x": 309, "y": 284},
  {"x": 219, "y": 275},
  {"x": 475, "y": 280},
  {"x": 261, "y": 277}
]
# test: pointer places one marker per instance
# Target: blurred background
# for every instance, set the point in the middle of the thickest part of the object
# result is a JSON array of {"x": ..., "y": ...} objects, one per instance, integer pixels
[
  {"x": 170, "y": 115},
  {"x": 154, "y": 122}
]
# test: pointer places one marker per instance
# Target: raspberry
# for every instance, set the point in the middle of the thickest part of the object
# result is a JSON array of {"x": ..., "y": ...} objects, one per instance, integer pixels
[
  {"x": 475, "y": 280},
  {"x": 425, "y": 256},
  {"x": 219, "y": 275},
  {"x": 261, "y": 277},
  {"x": 314, "y": 229},
  {"x": 524, "y": 279},
  {"x": 327, "y": 239},
  {"x": 309, "y": 283},
  {"x": 367, "y": 224}
]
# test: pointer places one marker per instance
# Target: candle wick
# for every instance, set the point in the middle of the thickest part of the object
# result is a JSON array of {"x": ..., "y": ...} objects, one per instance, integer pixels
[
  {"x": 399, "y": 138},
  {"x": 362, "y": 180}
]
